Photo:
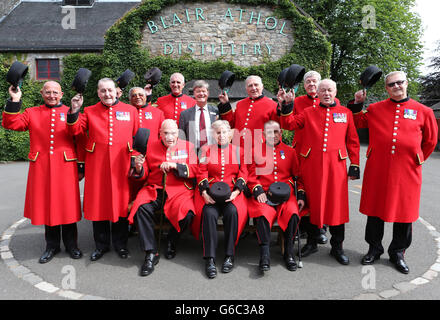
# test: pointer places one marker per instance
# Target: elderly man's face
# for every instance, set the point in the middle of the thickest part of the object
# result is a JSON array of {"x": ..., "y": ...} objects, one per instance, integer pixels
[
  {"x": 177, "y": 84},
  {"x": 311, "y": 85},
  {"x": 272, "y": 134},
  {"x": 327, "y": 93},
  {"x": 107, "y": 92},
  {"x": 138, "y": 98},
  {"x": 396, "y": 86},
  {"x": 222, "y": 135},
  {"x": 254, "y": 87},
  {"x": 51, "y": 93},
  {"x": 201, "y": 96},
  {"x": 169, "y": 134}
]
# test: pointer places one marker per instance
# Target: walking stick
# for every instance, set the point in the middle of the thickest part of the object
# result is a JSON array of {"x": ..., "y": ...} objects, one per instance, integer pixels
[
  {"x": 300, "y": 264},
  {"x": 164, "y": 180}
]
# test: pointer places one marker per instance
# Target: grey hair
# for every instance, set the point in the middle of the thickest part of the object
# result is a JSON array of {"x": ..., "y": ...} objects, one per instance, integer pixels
[
  {"x": 218, "y": 123},
  {"x": 395, "y": 72},
  {"x": 200, "y": 84},
  {"x": 106, "y": 80},
  {"x": 177, "y": 74},
  {"x": 270, "y": 122},
  {"x": 326, "y": 80},
  {"x": 312, "y": 73},
  {"x": 253, "y": 76},
  {"x": 135, "y": 88}
]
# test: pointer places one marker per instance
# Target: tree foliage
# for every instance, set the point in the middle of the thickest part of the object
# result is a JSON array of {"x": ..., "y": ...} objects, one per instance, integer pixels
[
  {"x": 385, "y": 33},
  {"x": 430, "y": 84}
]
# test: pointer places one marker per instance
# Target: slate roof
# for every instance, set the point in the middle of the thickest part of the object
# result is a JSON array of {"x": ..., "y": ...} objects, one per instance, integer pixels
[{"x": 26, "y": 29}]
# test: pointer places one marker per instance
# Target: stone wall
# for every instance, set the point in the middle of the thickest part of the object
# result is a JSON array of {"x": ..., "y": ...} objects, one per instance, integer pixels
[{"x": 242, "y": 34}]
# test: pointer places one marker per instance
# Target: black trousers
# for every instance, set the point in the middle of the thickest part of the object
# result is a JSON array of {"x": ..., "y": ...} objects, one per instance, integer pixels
[
  {"x": 107, "y": 232},
  {"x": 67, "y": 232},
  {"x": 210, "y": 215},
  {"x": 146, "y": 222},
  {"x": 263, "y": 233},
  {"x": 402, "y": 237},
  {"x": 337, "y": 235}
]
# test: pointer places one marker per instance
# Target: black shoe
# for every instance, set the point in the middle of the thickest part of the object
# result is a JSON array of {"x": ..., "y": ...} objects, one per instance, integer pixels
[
  {"x": 290, "y": 262},
  {"x": 147, "y": 268},
  {"x": 369, "y": 258},
  {"x": 228, "y": 264},
  {"x": 171, "y": 250},
  {"x": 48, "y": 255},
  {"x": 75, "y": 253},
  {"x": 340, "y": 256},
  {"x": 122, "y": 253},
  {"x": 210, "y": 268},
  {"x": 308, "y": 249},
  {"x": 264, "y": 264},
  {"x": 97, "y": 254},
  {"x": 322, "y": 238},
  {"x": 400, "y": 265}
]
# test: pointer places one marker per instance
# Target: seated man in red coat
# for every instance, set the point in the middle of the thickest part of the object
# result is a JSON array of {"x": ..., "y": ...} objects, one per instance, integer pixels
[
  {"x": 52, "y": 193},
  {"x": 402, "y": 135},
  {"x": 276, "y": 163},
  {"x": 110, "y": 126},
  {"x": 177, "y": 160},
  {"x": 330, "y": 138},
  {"x": 221, "y": 162}
]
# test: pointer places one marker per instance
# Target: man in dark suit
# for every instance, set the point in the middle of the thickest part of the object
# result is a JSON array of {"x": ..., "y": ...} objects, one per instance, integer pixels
[{"x": 195, "y": 122}]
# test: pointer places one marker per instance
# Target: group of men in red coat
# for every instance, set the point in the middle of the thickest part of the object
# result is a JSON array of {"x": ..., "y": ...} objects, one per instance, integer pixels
[{"x": 123, "y": 186}]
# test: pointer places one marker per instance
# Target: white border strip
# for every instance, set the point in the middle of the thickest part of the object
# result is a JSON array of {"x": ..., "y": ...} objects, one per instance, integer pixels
[{"x": 27, "y": 275}]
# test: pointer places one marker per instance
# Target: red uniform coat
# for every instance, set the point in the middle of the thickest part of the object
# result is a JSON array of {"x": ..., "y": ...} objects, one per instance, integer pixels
[
  {"x": 172, "y": 106},
  {"x": 278, "y": 164},
  {"x": 151, "y": 118},
  {"x": 108, "y": 157},
  {"x": 222, "y": 164},
  {"x": 401, "y": 137},
  {"x": 250, "y": 115},
  {"x": 179, "y": 190},
  {"x": 300, "y": 104},
  {"x": 52, "y": 192},
  {"x": 329, "y": 138}
]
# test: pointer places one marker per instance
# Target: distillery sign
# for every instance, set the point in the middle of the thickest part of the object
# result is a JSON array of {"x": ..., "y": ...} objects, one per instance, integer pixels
[{"x": 245, "y": 35}]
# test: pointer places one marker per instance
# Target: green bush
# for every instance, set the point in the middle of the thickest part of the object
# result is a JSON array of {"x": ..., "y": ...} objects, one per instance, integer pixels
[{"x": 15, "y": 145}]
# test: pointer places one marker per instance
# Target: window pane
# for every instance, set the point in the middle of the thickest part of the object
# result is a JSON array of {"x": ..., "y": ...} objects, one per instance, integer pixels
[
  {"x": 42, "y": 68},
  {"x": 42, "y": 75},
  {"x": 54, "y": 65}
]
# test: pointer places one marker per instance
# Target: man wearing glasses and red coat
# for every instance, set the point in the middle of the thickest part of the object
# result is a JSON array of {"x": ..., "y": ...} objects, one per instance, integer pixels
[{"x": 402, "y": 135}]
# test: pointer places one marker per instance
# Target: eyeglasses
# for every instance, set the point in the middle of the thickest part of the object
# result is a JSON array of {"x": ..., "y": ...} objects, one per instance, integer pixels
[{"x": 392, "y": 84}]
